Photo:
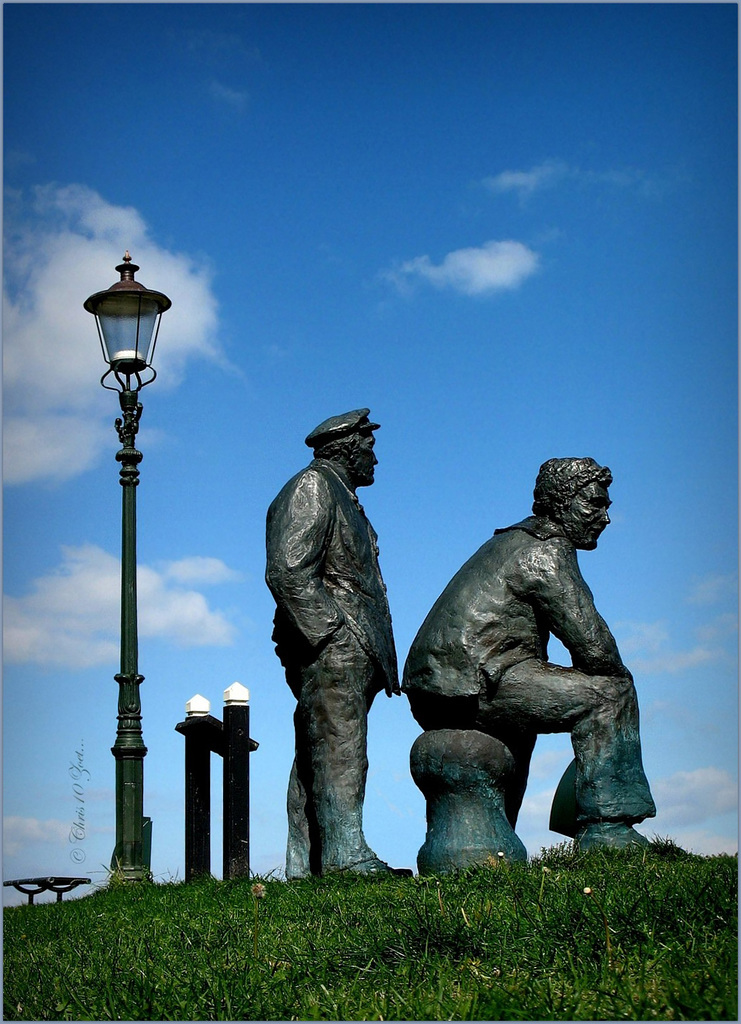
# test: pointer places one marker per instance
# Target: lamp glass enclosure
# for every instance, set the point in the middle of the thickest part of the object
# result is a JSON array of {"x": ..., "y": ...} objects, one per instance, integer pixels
[
  {"x": 127, "y": 315},
  {"x": 127, "y": 322}
]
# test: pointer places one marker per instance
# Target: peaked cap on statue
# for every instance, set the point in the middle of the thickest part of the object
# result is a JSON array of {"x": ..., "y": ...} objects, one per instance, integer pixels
[{"x": 341, "y": 426}]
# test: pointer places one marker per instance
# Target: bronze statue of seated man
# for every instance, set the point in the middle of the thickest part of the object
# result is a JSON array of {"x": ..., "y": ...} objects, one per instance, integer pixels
[{"x": 480, "y": 659}]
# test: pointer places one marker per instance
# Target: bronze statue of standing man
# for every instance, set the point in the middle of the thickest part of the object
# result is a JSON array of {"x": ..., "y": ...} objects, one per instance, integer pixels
[{"x": 334, "y": 638}]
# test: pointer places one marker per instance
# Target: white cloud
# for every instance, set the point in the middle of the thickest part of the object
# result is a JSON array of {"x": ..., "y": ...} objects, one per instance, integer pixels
[
  {"x": 526, "y": 182},
  {"x": 713, "y": 588},
  {"x": 230, "y": 97},
  {"x": 72, "y": 615},
  {"x": 62, "y": 245},
  {"x": 669, "y": 662},
  {"x": 641, "y": 637},
  {"x": 554, "y": 172},
  {"x": 645, "y": 648},
  {"x": 536, "y": 808},
  {"x": 201, "y": 570},
  {"x": 182, "y": 616},
  {"x": 20, "y": 832},
  {"x": 494, "y": 266},
  {"x": 723, "y": 626},
  {"x": 51, "y": 446},
  {"x": 217, "y": 47},
  {"x": 550, "y": 763},
  {"x": 690, "y": 798},
  {"x": 700, "y": 841}
]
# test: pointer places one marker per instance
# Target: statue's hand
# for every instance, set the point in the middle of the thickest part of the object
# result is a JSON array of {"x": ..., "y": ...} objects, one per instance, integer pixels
[{"x": 393, "y": 688}]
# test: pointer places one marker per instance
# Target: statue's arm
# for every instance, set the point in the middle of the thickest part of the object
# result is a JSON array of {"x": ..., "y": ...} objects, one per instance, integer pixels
[
  {"x": 298, "y": 532},
  {"x": 564, "y": 604}
]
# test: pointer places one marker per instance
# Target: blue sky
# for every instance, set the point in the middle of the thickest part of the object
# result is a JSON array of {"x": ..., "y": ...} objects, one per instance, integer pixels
[{"x": 509, "y": 230}]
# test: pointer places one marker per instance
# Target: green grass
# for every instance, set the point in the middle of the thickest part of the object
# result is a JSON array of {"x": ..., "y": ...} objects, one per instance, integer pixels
[{"x": 654, "y": 940}]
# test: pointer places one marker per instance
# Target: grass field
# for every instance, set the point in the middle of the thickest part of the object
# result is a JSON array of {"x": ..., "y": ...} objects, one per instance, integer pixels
[{"x": 641, "y": 935}]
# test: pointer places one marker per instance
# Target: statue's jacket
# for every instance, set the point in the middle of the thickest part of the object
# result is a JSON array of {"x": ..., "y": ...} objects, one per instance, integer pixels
[
  {"x": 523, "y": 584},
  {"x": 323, "y": 571}
]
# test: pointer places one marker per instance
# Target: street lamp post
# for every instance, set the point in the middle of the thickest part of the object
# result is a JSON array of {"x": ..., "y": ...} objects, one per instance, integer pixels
[{"x": 128, "y": 316}]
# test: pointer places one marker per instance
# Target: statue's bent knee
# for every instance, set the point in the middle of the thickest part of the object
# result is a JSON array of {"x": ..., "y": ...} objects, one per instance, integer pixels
[
  {"x": 613, "y": 694},
  {"x": 463, "y": 773}
]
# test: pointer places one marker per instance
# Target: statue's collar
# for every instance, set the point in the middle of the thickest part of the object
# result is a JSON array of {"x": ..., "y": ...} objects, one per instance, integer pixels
[
  {"x": 537, "y": 526},
  {"x": 338, "y": 470}
]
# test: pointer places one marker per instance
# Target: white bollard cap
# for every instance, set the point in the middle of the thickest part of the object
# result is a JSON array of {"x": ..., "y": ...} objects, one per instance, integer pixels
[
  {"x": 197, "y": 705},
  {"x": 236, "y": 694}
]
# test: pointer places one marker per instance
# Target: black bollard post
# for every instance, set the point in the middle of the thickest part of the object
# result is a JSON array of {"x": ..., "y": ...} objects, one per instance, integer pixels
[
  {"x": 237, "y": 747},
  {"x": 203, "y": 734}
]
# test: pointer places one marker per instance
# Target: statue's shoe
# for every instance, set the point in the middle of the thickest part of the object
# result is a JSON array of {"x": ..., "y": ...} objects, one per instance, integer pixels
[
  {"x": 615, "y": 835},
  {"x": 373, "y": 867}
]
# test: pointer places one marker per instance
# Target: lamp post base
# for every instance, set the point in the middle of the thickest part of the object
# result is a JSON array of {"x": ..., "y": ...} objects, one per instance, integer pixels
[
  {"x": 132, "y": 854},
  {"x": 138, "y": 873}
]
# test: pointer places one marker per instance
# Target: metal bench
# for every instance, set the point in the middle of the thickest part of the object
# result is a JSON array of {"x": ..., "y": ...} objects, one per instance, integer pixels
[{"x": 54, "y": 883}]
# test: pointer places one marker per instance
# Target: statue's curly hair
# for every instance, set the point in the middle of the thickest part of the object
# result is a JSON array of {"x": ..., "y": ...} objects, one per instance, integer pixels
[
  {"x": 560, "y": 480},
  {"x": 338, "y": 448}
]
